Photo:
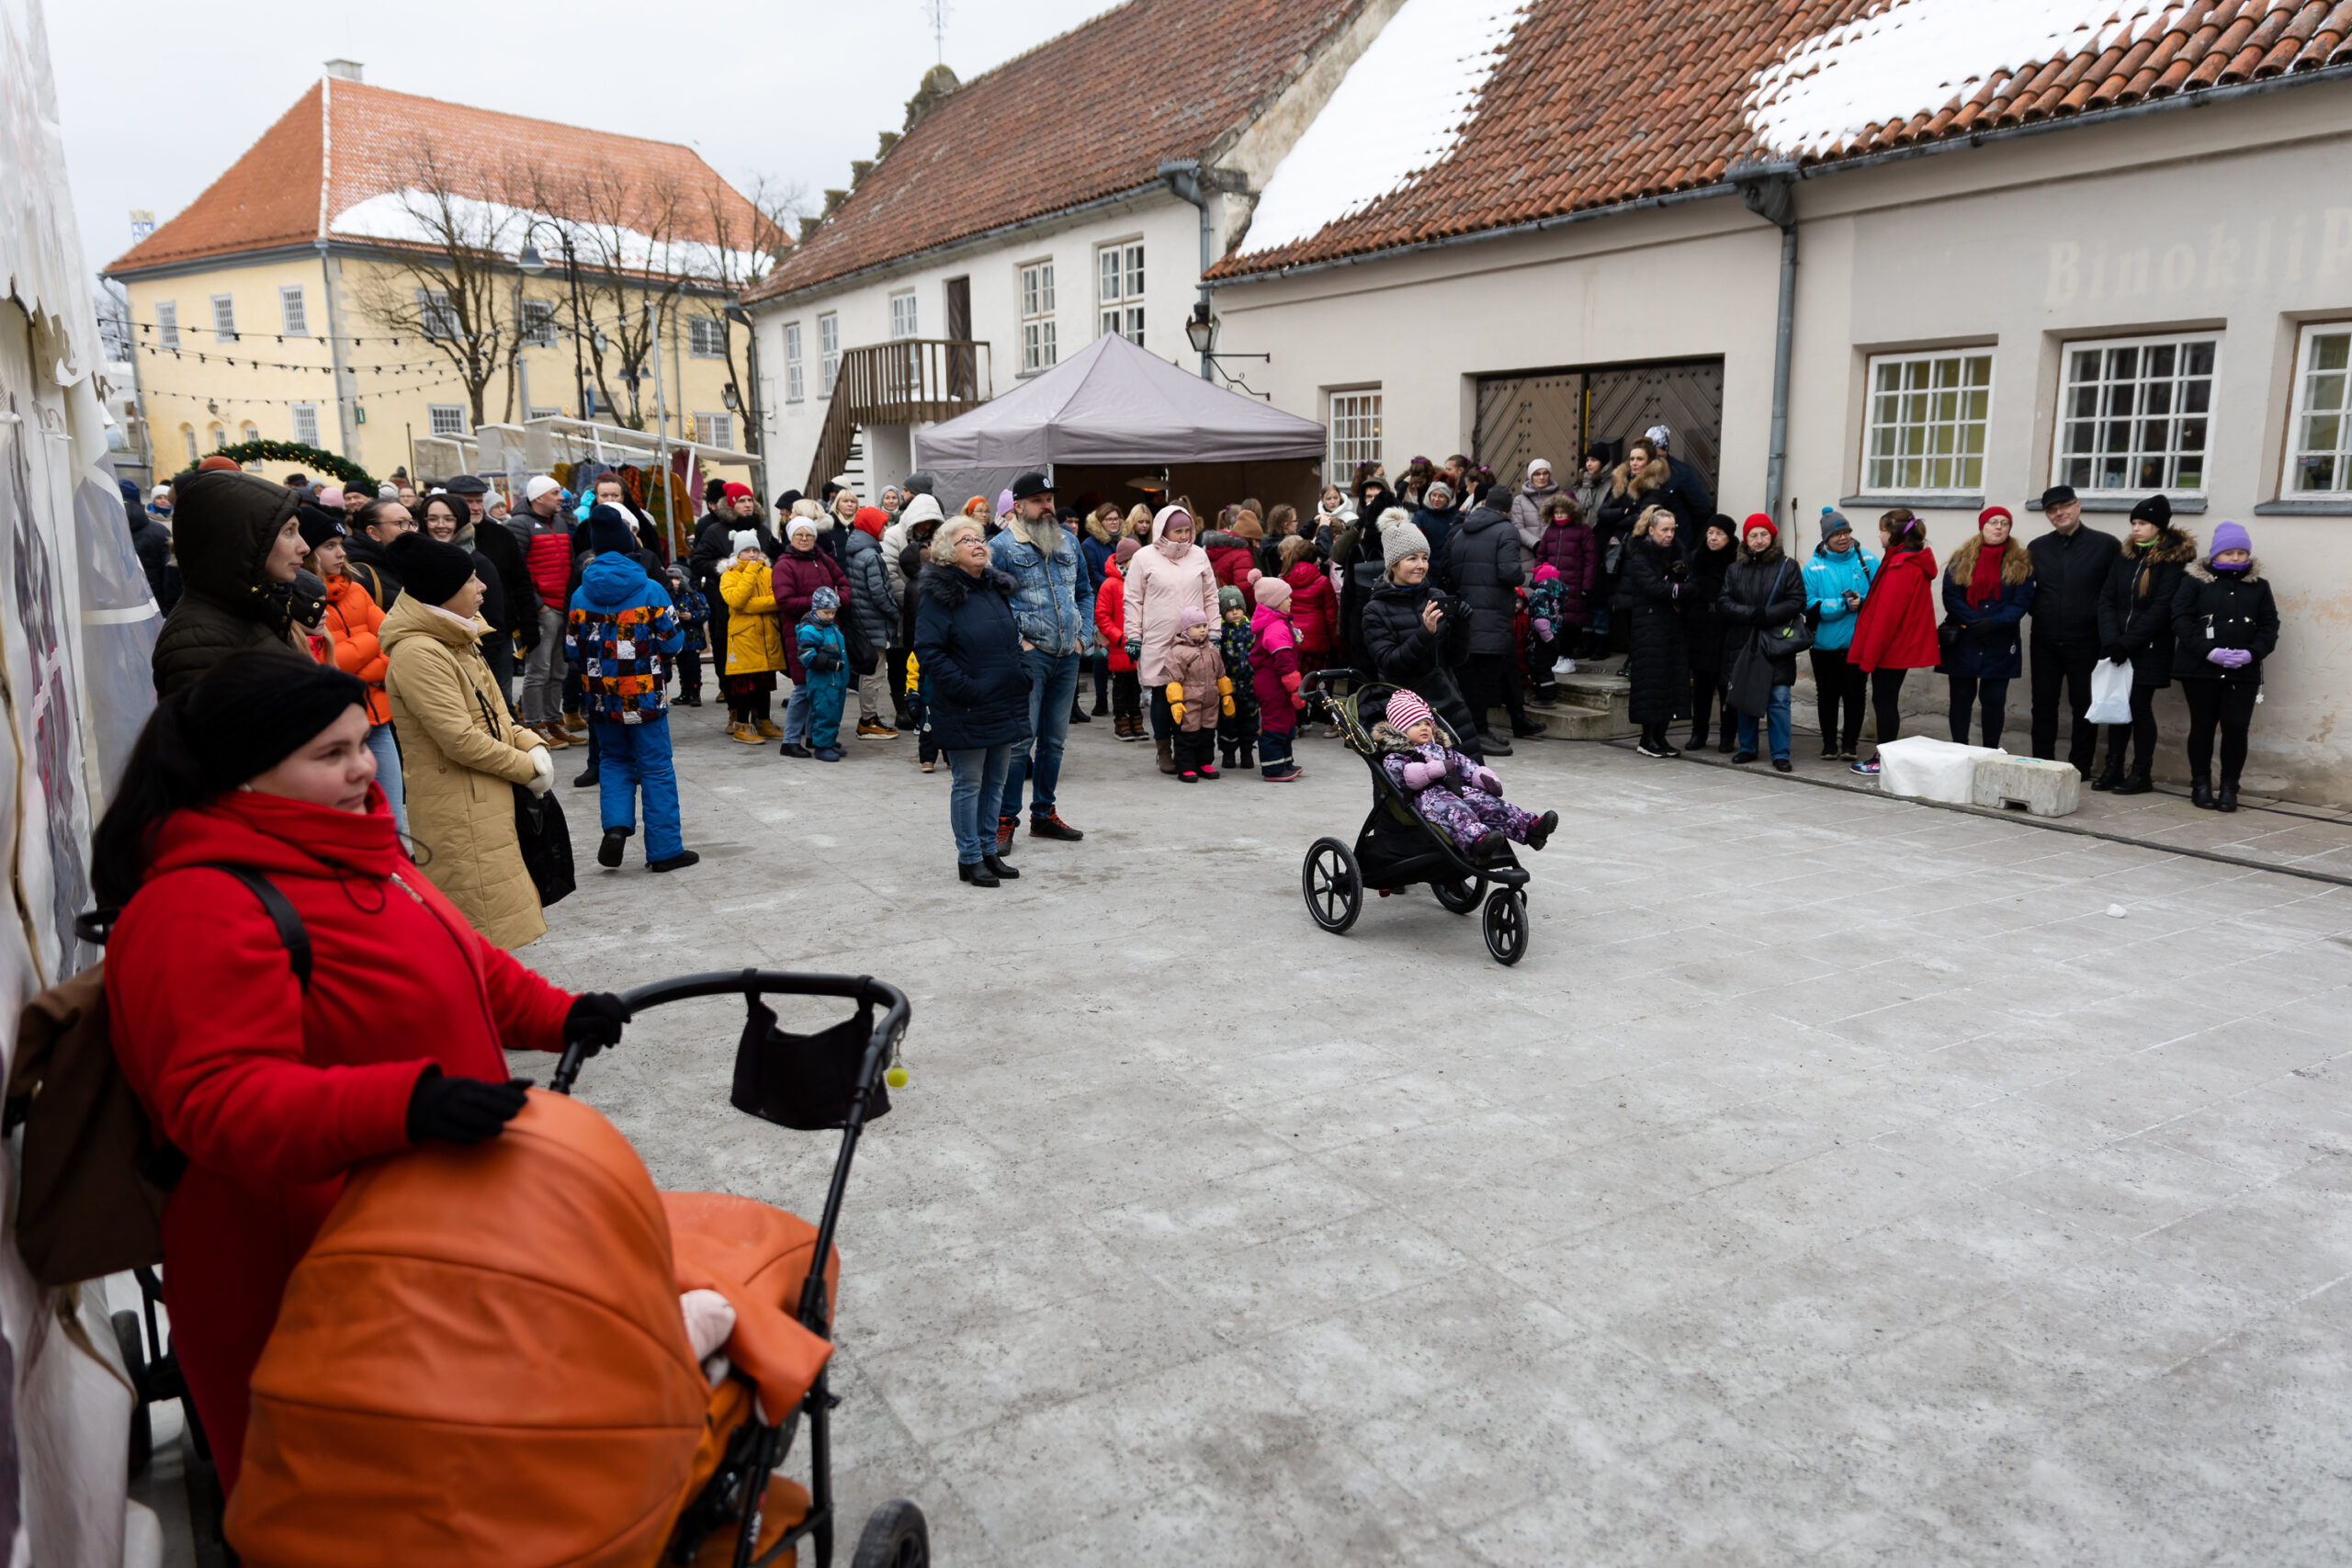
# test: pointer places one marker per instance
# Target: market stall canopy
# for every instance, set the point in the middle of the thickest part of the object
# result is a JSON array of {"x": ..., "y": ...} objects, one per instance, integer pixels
[{"x": 1113, "y": 402}]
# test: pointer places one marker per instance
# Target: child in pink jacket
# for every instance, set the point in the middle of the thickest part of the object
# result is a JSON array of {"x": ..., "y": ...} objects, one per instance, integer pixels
[{"x": 1275, "y": 679}]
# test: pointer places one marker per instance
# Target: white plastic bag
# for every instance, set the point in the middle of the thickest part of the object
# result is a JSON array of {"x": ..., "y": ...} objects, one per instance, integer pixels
[{"x": 2110, "y": 693}]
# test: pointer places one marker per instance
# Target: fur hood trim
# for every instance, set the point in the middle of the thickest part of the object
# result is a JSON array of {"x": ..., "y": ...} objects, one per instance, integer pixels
[
  {"x": 1770, "y": 555},
  {"x": 2203, "y": 573},
  {"x": 2016, "y": 564},
  {"x": 951, "y": 586},
  {"x": 2174, "y": 544},
  {"x": 1623, "y": 480}
]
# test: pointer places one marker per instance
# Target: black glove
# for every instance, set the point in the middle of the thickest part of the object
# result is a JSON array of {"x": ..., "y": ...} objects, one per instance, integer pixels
[
  {"x": 594, "y": 1021},
  {"x": 2114, "y": 653},
  {"x": 461, "y": 1111}
]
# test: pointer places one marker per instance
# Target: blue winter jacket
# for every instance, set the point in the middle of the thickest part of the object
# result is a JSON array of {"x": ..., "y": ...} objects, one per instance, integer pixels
[
  {"x": 976, "y": 685},
  {"x": 1988, "y": 646},
  {"x": 822, "y": 645},
  {"x": 1827, "y": 576},
  {"x": 1045, "y": 591},
  {"x": 620, "y": 624}
]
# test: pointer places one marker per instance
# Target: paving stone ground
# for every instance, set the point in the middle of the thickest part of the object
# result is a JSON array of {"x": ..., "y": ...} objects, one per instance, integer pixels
[{"x": 1836, "y": 1181}]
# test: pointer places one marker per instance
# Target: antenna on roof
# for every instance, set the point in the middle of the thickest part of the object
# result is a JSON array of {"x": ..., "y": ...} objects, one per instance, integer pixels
[{"x": 936, "y": 13}]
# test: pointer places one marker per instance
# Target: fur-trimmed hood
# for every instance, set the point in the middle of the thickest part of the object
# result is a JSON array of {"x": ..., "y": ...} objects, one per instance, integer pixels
[
  {"x": 2203, "y": 573},
  {"x": 1623, "y": 480},
  {"x": 951, "y": 586},
  {"x": 2016, "y": 564},
  {"x": 2173, "y": 545},
  {"x": 1770, "y": 555}
]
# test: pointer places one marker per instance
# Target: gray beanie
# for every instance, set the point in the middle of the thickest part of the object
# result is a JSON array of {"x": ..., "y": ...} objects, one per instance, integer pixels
[
  {"x": 919, "y": 483},
  {"x": 1833, "y": 523},
  {"x": 1404, "y": 540}
]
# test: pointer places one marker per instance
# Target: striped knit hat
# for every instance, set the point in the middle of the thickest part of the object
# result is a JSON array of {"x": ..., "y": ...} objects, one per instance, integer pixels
[{"x": 1405, "y": 710}]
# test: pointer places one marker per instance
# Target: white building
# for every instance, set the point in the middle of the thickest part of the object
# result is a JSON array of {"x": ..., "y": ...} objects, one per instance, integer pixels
[{"x": 1031, "y": 209}]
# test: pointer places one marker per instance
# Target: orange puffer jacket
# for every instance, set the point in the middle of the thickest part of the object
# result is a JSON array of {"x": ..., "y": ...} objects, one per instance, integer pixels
[{"x": 353, "y": 618}]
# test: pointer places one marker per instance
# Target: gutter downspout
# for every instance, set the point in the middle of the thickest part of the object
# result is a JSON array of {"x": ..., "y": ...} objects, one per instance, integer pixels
[
  {"x": 1770, "y": 193},
  {"x": 1183, "y": 177}
]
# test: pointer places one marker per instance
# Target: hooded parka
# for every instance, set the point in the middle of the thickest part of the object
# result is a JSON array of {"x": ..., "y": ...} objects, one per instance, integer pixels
[
  {"x": 1527, "y": 517},
  {"x": 873, "y": 598},
  {"x": 223, "y": 528},
  {"x": 1483, "y": 563},
  {"x": 461, "y": 753},
  {"x": 1895, "y": 627},
  {"x": 1158, "y": 591},
  {"x": 754, "y": 633},
  {"x": 976, "y": 686},
  {"x": 2135, "y": 611}
]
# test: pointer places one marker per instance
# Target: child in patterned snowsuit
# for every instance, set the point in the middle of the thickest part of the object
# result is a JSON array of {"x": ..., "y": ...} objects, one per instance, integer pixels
[
  {"x": 694, "y": 615},
  {"x": 1448, "y": 789},
  {"x": 1237, "y": 730},
  {"x": 824, "y": 656}
]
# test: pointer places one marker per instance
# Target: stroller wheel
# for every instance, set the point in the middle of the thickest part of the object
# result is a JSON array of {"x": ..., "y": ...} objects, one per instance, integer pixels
[
  {"x": 1459, "y": 896},
  {"x": 1333, "y": 885},
  {"x": 896, "y": 1536},
  {"x": 1506, "y": 925}
]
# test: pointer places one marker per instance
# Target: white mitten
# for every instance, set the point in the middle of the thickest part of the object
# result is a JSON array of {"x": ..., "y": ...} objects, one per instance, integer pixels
[{"x": 542, "y": 771}]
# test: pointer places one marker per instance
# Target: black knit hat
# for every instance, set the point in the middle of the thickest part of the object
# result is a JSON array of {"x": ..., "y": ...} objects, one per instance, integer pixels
[
  {"x": 609, "y": 533},
  {"x": 319, "y": 525},
  {"x": 2155, "y": 509},
  {"x": 430, "y": 569},
  {"x": 254, "y": 709}
]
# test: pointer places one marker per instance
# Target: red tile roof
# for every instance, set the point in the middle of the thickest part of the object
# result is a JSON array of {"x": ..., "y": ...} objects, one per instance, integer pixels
[
  {"x": 270, "y": 196},
  {"x": 1083, "y": 115},
  {"x": 1596, "y": 102}
]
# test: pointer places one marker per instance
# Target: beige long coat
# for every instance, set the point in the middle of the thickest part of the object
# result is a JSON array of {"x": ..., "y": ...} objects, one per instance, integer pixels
[{"x": 460, "y": 764}]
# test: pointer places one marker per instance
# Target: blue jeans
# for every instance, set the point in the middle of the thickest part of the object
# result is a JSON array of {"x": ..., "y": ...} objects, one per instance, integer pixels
[
  {"x": 1777, "y": 726},
  {"x": 798, "y": 713},
  {"x": 1053, "y": 686},
  {"x": 972, "y": 800},
  {"x": 634, "y": 757},
  {"x": 388, "y": 772}
]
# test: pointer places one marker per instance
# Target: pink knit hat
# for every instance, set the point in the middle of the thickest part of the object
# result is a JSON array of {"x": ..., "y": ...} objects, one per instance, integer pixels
[
  {"x": 1270, "y": 590},
  {"x": 1405, "y": 710}
]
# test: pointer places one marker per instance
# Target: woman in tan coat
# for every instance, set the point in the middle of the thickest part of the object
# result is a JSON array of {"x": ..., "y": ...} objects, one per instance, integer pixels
[{"x": 461, "y": 752}]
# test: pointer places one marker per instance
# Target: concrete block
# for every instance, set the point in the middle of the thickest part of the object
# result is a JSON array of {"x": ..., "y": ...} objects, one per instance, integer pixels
[
  {"x": 2039, "y": 788},
  {"x": 1924, "y": 768}
]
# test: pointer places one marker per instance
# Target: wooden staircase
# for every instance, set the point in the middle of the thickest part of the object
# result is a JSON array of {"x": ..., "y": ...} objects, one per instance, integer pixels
[{"x": 904, "y": 381}]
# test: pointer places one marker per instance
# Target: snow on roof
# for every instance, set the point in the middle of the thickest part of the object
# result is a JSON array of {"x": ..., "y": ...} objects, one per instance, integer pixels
[
  {"x": 1398, "y": 112},
  {"x": 1911, "y": 57},
  {"x": 410, "y": 215}
]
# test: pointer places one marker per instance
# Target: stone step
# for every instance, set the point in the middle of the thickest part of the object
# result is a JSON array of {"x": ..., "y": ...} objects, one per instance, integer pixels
[{"x": 1591, "y": 707}]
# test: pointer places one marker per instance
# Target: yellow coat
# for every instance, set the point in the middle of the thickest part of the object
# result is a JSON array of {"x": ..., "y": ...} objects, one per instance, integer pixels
[
  {"x": 461, "y": 768},
  {"x": 754, "y": 634}
]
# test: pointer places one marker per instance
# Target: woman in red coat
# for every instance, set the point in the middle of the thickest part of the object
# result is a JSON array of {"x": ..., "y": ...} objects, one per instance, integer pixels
[
  {"x": 271, "y": 1088},
  {"x": 1894, "y": 632}
]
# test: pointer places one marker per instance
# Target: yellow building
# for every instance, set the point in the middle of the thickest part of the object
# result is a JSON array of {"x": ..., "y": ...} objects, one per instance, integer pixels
[{"x": 379, "y": 269}]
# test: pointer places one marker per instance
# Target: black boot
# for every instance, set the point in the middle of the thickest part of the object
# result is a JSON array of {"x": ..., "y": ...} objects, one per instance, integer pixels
[
  {"x": 1224, "y": 757},
  {"x": 2137, "y": 783},
  {"x": 2200, "y": 792},
  {"x": 2112, "y": 774},
  {"x": 2227, "y": 800},
  {"x": 1249, "y": 756},
  {"x": 608, "y": 853},
  {"x": 999, "y": 869},
  {"x": 976, "y": 873},
  {"x": 1102, "y": 704}
]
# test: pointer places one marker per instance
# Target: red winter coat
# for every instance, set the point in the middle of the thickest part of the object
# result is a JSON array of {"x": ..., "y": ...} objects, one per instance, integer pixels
[
  {"x": 1231, "y": 558},
  {"x": 1111, "y": 615},
  {"x": 794, "y": 577},
  {"x": 1314, "y": 609},
  {"x": 1896, "y": 628},
  {"x": 273, "y": 1094}
]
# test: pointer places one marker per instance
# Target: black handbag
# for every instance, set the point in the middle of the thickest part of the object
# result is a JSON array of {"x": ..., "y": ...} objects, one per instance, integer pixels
[
  {"x": 1785, "y": 641},
  {"x": 540, "y": 831},
  {"x": 802, "y": 1080}
]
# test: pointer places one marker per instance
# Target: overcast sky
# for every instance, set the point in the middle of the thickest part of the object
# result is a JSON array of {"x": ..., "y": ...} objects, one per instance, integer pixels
[{"x": 159, "y": 96}]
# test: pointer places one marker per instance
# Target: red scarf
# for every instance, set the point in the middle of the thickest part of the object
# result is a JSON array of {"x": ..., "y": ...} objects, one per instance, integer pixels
[{"x": 1984, "y": 583}]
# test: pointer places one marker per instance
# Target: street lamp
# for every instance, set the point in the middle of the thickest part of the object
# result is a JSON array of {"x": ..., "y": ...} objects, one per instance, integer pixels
[
  {"x": 529, "y": 263},
  {"x": 1201, "y": 330}
]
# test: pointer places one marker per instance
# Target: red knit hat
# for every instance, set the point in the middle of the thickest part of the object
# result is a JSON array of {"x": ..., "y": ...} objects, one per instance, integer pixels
[
  {"x": 870, "y": 520},
  {"x": 217, "y": 461},
  {"x": 1990, "y": 513},
  {"x": 1759, "y": 520},
  {"x": 1405, "y": 710},
  {"x": 738, "y": 493}
]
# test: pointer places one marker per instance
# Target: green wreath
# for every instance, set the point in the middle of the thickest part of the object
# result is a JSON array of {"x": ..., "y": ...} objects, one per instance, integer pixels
[{"x": 308, "y": 456}]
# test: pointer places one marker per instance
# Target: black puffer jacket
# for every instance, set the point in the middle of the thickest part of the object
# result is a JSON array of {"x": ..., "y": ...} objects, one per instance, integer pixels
[
  {"x": 2135, "y": 608},
  {"x": 1763, "y": 591},
  {"x": 2070, "y": 574},
  {"x": 1649, "y": 592},
  {"x": 975, "y": 684},
  {"x": 513, "y": 602},
  {"x": 1485, "y": 565},
  {"x": 224, "y": 525},
  {"x": 1401, "y": 650},
  {"x": 2236, "y": 608},
  {"x": 1702, "y": 629}
]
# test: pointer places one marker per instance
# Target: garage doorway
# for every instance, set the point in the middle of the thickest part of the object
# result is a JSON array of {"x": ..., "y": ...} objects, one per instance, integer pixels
[{"x": 1559, "y": 413}]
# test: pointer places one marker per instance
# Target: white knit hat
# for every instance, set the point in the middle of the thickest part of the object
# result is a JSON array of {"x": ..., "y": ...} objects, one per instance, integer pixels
[
  {"x": 743, "y": 539},
  {"x": 800, "y": 526},
  {"x": 540, "y": 485}
]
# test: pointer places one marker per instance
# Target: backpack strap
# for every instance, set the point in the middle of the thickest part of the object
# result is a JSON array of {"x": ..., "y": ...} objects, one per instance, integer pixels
[{"x": 290, "y": 932}]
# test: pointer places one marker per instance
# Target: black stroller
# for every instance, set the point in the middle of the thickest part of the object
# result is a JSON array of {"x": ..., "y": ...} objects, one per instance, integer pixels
[{"x": 1398, "y": 847}]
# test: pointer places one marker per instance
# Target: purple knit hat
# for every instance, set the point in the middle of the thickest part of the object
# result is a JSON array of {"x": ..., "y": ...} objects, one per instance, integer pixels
[
  {"x": 1405, "y": 710},
  {"x": 2229, "y": 536},
  {"x": 1190, "y": 615}
]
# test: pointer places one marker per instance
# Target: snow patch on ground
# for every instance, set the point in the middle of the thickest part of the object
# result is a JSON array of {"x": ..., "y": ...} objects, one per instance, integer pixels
[
  {"x": 430, "y": 218},
  {"x": 1916, "y": 56},
  {"x": 1398, "y": 113}
]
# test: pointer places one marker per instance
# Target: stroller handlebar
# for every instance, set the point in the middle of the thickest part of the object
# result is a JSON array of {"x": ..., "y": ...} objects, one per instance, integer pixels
[{"x": 864, "y": 989}]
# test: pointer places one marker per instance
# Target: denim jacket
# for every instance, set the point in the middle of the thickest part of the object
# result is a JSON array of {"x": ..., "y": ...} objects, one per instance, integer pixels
[{"x": 1044, "y": 597}]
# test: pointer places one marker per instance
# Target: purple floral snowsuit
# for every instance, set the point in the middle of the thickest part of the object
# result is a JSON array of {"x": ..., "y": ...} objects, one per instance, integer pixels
[{"x": 1456, "y": 793}]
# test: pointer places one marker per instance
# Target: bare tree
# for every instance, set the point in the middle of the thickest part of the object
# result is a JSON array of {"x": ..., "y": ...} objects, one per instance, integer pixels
[
  {"x": 745, "y": 247},
  {"x": 634, "y": 259},
  {"x": 447, "y": 276}
]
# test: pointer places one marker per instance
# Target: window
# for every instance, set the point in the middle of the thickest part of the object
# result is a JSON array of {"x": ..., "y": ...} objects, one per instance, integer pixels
[
  {"x": 2319, "y": 442},
  {"x": 167, "y": 323},
  {"x": 796, "y": 385},
  {"x": 224, "y": 319},
  {"x": 306, "y": 424},
  {"x": 217, "y": 437},
  {"x": 2134, "y": 414},
  {"x": 1119, "y": 269},
  {"x": 902, "y": 314},
  {"x": 435, "y": 311},
  {"x": 538, "y": 323},
  {"x": 448, "y": 418},
  {"x": 829, "y": 353},
  {"x": 538, "y": 412},
  {"x": 293, "y": 314},
  {"x": 705, "y": 337},
  {"x": 187, "y": 439},
  {"x": 251, "y": 432},
  {"x": 1355, "y": 434},
  {"x": 1037, "y": 350},
  {"x": 714, "y": 430},
  {"x": 1926, "y": 422}
]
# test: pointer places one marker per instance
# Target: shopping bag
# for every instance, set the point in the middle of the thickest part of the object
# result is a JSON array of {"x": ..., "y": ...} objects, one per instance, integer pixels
[{"x": 2110, "y": 693}]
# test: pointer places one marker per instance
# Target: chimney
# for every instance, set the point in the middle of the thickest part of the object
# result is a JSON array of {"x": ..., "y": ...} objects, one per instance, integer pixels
[{"x": 345, "y": 69}]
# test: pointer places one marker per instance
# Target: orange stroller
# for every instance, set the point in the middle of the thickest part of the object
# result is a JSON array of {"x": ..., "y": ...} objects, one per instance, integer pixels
[{"x": 482, "y": 1358}]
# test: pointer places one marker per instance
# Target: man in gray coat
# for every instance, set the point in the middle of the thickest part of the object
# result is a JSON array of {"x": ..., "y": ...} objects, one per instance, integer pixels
[{"x": 1484, "y": 566}]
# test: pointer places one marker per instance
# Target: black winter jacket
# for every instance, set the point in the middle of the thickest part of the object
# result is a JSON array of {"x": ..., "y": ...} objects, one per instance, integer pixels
[
  {"x": 513, "y": 602},
  {"x": 976, "y": 684},
  {"x": 1763, "y": 591},
  {"x": 224, "y": 525},
  {"x": 1402, "y": 652},
  {"x": 2135, "y": 607},
  {"x": 1702, "y": 629},
  {"x": 1650, "y": 585},
  {"x": 2219, "y": 609},
  {"x": 1485, "y": 565},
  {"x": 2069, "y": 573}
]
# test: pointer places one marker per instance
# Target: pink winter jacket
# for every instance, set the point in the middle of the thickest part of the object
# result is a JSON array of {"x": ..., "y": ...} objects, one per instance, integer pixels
[{"x": 1158, "y": 591}]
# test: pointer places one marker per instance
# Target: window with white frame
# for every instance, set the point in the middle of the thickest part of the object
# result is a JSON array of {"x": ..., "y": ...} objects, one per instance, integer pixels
[
  {"x": 714, "y": 430},
  {"x": 902, "y": 314},
  {"x": 1354, "y": 425},
  {"x": 1926, "y": 421},
  {"x": 829, "y": 353},
  {"x": 293, "y": 311},
  {"x": 250, "y": 432},
  {"x": 2136, "y": 414},
  {"x": 1038, "y": 350},
  {"x": 795, "y": 382},
  {"x": 448, "y": 418},
  {"x": 167, "y": 323},
  {"x": 224, "y": 319},
  {"x": 705, "y": 337},
  {"x": 1118, "y": 270},
  {"x": 538, "y": 412},
  {"x": 306, "y": 424},
  {"x": 216, "y": 438},
  {"x": 538, "y": 323},
  {"x": 439, "y": 317},
  {"x": 187, "y": 439},
  {"x": 2318, "y": 438}
]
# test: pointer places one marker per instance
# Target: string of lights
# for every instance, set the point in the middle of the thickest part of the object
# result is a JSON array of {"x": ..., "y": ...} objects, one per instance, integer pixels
[
  {"x": 205, "y": 357},
  {"x": 544, "y": 324},
  {"x": 239, "y": 400}
]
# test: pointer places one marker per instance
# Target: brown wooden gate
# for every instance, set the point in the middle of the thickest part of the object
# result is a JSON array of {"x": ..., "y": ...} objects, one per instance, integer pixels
[{"x": 1558, "y": 413}]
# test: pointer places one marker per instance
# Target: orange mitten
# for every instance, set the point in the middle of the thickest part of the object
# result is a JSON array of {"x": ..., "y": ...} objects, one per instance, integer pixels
[
  {"x": 1225, "y": 694},
  {"x": 1176, "y": 702}
]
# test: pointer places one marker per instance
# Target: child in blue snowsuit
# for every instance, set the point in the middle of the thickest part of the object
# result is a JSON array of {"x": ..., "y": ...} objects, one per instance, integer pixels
[
  {"x": 619, "y": 627},
  {"x": 824, "y": 655},
  {"x": 694, "y": 615}
]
